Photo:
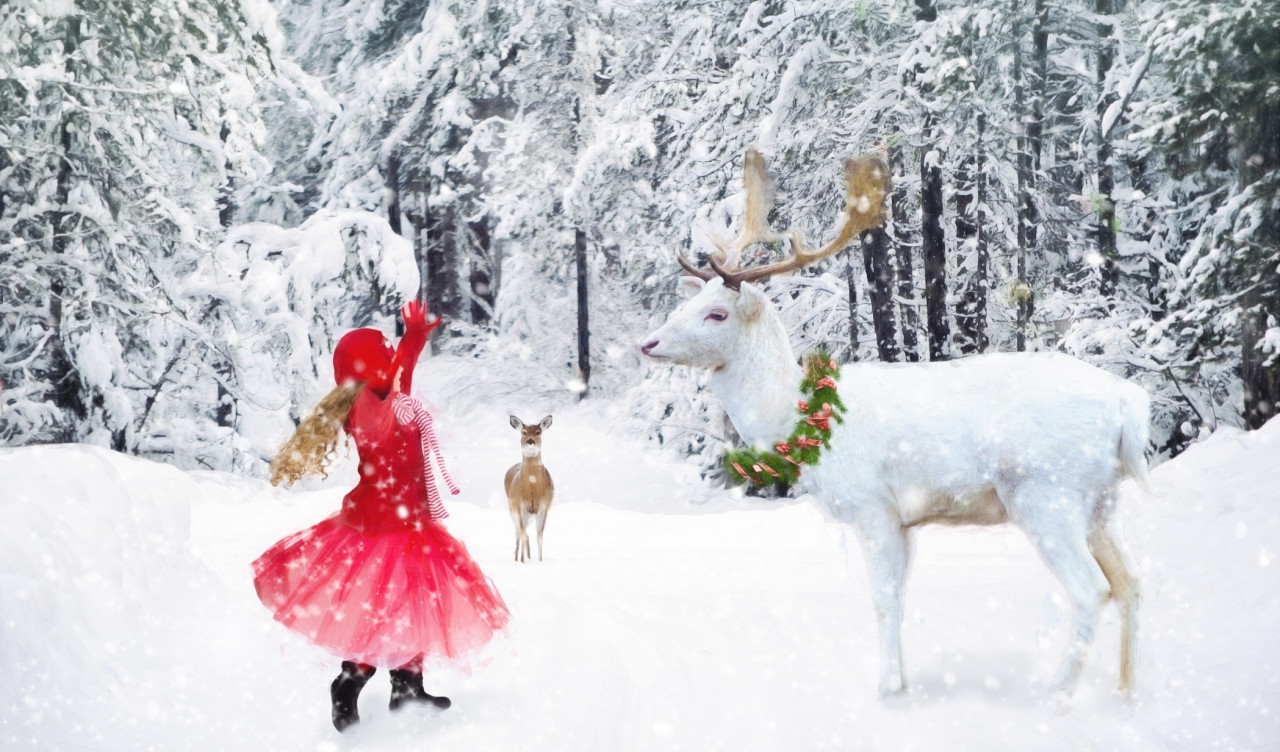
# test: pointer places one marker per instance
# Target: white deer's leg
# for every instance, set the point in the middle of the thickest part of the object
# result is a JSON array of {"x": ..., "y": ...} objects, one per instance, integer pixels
[
  {"x": 887, "y": 548},
  {"x": 1055, "y": 519},
  {"x": 1105, "y": 545}
]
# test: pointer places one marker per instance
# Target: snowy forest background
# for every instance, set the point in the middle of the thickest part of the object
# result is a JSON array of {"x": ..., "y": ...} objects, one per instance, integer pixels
[{"x": 197, "y": 197}]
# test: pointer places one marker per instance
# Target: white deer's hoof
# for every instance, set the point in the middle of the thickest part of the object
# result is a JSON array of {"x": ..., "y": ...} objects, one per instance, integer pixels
[
  {"x": 1060, "y": 702},
  {"x": 892, "y": 686}
]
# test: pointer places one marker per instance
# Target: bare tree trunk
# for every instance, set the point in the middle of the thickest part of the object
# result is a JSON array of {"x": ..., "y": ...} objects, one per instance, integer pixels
[
  {"x": 226, "y": 203},
  {"x": 442, "y": 275},
  {"x": 933, "y": 247},
  {"x": 482, "y": 295},
  {"x": 393, "y": 211},
  {"x": 584, "y": 331},
  {"x": 1261, "y": 382},
  {"x": 984, "y": 253},
  {"x": 875, "y": 257},
  {"x": 1106, "y": 227},
  {"x": 1027, "y": 214},
  {"x": 971, "y": 311},
  {"x": 418, "y": 218},
  {"x": 393, "y": 192},
  {"x": 850, "y": 276},
  {"x": 904, "y": 261},
  {"x": 67, "y": 388},
  {"x": 1035, "y": 124},
  {"x": 1257, "y": 158}
]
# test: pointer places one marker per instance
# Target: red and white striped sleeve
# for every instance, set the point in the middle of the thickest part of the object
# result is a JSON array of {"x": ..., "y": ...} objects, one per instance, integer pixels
[{"x": 410, "y": 411}]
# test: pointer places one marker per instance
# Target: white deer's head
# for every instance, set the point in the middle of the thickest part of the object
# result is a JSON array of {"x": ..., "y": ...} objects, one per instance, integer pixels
[
  {"x": 727, "y": 317},
  {"x": 707, "y": 330}
]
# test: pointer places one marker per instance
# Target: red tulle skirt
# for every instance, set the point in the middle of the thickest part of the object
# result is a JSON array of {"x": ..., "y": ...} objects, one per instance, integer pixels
[{"x": 381, "y": 599}]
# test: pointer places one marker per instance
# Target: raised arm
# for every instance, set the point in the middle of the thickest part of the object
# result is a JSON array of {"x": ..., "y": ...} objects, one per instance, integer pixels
[{"x": 416, "y": 331}]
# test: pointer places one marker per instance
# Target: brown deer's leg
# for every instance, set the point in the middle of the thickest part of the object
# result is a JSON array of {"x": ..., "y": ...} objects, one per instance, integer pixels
[{"x": 542, "y": 523}]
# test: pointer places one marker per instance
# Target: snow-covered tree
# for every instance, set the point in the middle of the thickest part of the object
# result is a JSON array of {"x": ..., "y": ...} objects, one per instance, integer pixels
[
  {"x": 121, "y": 126},
  {"x": 128, "y": 134},
  {"x": 1214, "y": 130}
]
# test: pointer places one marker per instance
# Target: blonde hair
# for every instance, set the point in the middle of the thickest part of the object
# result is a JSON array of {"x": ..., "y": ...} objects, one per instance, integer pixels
[{"x": 314, "y": 441}]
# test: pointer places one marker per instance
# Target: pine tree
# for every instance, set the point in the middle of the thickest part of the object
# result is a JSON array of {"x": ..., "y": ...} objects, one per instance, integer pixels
[
  {"x": 1216, "y": 127},
  {"x": 116, "y": 149}
]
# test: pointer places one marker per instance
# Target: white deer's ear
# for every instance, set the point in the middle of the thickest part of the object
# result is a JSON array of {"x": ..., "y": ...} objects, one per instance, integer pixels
[
  {"x": 751, "y": 301},
  {"x": 690, "y": 286}
]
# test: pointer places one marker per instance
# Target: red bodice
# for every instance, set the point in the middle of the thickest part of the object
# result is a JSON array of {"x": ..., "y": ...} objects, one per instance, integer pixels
[{"x": 391, "y": 494}]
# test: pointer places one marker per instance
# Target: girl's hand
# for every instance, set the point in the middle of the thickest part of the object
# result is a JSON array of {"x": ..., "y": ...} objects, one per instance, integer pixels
[{"x": 414, "y": 314}]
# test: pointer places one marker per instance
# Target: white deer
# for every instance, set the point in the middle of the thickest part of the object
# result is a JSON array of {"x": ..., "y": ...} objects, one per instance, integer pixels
[{"x": 1039, "y": 440}]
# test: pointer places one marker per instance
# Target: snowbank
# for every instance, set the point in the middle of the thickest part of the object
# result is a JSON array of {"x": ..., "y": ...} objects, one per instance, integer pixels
[{"x": 665, "y": 616}]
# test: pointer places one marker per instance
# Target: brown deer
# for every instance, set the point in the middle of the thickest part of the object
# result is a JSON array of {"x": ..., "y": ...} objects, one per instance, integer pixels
[{"x": 529, "y": 486}]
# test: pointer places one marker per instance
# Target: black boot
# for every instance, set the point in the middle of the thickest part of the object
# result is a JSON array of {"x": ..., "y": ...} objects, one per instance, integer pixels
[
  {"x": 406, "y": 687},
  {"x": 345, "y": 692}
]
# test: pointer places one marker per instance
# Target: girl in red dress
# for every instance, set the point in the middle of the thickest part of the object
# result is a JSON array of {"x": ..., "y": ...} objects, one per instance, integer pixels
[{"x": 381, "y": 582}]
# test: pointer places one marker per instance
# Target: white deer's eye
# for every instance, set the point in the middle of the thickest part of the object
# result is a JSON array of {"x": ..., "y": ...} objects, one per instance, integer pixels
[{"x": 717, "y": 314}]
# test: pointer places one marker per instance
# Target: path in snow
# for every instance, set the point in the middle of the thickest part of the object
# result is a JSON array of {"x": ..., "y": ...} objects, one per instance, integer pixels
[{"x": 666, "y": 616}]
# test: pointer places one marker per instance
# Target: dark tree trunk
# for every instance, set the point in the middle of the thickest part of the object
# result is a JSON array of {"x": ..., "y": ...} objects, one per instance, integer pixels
[
  {"x": 1258, "y": 158},
  {"x": 875, "y": 257},
  {"x": 850, "y": 276},
  {"x": 482, "y": 295},
  {"x": 1261, "y": 382},
  {"x": 224, "y": 411},
  {"x": 226, "y": 205},
  {"x": 982, "y": 275},
  {"x": 933, "y": 248},
  {"x": 1027, "y": 213},
  {"x": 971, "y": 311},
  {"x": 393, "y": 192},
  {"x": 1035, "y": 124},
  {"x": 65, "y": 381},
  {"x": 1106, "y": 227},
  {"x": 418, "y": 218},
  {"x": 442, "y": 274},
  {"x": 904, "y": 260},
  {"x": 584, "y": 332},
  {"x": 1156, "y": 293}
]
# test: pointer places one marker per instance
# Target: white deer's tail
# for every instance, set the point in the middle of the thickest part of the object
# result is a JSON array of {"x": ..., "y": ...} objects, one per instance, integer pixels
[{"x": 1135, "y": 420}]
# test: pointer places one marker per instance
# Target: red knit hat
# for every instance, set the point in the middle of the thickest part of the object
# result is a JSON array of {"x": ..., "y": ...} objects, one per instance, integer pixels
[{"x": 364, "y": 355}]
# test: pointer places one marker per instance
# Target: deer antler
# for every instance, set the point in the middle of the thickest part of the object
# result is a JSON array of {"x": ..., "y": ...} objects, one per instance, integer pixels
[
  {"x": 755, "y": 216},
  {"x": 758, "y": 185},
  {"x": 866, "y": 185},
  {"x": 694, "y": 271}
]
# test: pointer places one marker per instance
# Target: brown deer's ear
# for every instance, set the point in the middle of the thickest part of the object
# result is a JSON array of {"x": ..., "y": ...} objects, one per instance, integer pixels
[
  {"x": 546, "y": 422},
  {"x": 515, "y": 422}
]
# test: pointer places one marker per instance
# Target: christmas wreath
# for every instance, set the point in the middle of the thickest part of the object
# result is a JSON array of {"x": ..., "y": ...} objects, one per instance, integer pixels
[{"x": 819, "y": 405}]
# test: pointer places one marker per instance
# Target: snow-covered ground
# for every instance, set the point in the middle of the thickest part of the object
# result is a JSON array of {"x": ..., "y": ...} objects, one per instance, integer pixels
[{"x": 666, "y": 616}]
